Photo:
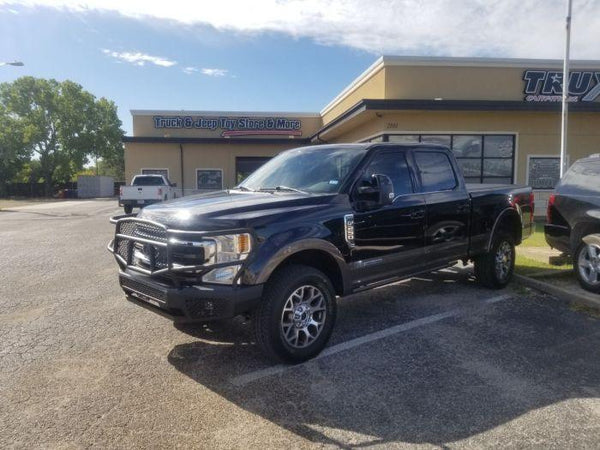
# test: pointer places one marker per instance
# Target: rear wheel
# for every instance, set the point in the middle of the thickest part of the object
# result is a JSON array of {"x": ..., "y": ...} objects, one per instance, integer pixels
[
  {"x": 586, "y": 264},
  {"x": 128, "y": 209},
  {"x": 296, "y": 315},
  {"x": 495, "y": 269}
]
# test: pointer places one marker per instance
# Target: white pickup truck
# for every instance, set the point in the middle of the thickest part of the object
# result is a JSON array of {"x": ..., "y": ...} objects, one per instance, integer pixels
[{"x": 145, "y": 190}]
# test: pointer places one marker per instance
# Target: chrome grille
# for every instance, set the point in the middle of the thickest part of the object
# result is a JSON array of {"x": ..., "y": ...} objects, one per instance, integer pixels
[{"x": 142, "y": 245}]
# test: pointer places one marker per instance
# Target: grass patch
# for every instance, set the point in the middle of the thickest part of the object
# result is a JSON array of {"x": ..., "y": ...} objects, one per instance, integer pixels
[
  {"x": 528, "y": 266},
  {"x": 537, "y": 238}
]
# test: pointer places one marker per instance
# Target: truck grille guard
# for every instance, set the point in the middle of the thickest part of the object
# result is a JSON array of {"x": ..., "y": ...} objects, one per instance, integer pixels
[{"x": 153, "y": 249}]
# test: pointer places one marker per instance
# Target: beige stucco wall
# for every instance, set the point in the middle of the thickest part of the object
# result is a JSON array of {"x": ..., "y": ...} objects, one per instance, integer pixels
[
  {"x": 195, "y": 156},
  {"x": 454, "y": 83},
  {"x": 372, "y": 88}
]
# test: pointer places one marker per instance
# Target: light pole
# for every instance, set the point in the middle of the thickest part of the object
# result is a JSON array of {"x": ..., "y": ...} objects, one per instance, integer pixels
[
  {"x": 565, "y": 96},
  {"x": 12, "y": 63}
]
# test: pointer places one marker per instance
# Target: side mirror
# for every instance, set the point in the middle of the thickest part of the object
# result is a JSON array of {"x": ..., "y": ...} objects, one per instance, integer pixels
[
  {"x": 378, "y": 194},
  {"x": 386, "y": 189}
]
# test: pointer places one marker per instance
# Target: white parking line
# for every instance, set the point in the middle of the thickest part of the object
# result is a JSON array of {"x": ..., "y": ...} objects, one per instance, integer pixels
[{"x": 343, "y": 346}]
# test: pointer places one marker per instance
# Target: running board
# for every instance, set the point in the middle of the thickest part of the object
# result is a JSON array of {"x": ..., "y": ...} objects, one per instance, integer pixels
[{"x": 399, "y": 278}]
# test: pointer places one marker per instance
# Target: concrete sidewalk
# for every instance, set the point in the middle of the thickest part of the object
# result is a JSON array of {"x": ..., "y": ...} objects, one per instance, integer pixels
[{"x": 562, "y": 284}]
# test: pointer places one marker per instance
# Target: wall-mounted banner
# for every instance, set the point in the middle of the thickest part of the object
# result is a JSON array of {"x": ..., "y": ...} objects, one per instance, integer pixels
[
  {"x": 546, "y": 85},
  {"x": 234, "y": 126}
]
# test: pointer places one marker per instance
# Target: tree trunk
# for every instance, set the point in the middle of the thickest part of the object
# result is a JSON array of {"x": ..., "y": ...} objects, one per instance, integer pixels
[
  {"x": 47, "y": 185},
  {"x": 47, "y": 173}
]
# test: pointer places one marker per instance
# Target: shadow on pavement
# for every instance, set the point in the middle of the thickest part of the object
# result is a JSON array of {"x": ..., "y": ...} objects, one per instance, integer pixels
[{"x": 437, "y": 384}]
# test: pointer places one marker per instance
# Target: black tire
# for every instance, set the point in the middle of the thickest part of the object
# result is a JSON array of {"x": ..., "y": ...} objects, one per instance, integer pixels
[
  {"x": 593, "y": 269},
  {"x": 488, "y": 270},
  {"x": 270, "y": 320},
  {"x": 128, "y": 209}
]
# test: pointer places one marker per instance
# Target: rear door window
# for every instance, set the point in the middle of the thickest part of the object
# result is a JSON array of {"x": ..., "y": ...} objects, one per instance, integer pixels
[
  {"x": 583, "y": 178},
  {"x": 435, "y": 171},
  {"x": 148, "y": 181}
]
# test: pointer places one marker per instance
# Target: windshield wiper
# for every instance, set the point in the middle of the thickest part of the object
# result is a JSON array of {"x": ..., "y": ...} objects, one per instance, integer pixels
[
  {"x": 283, "y": 188},
  {"x": 243, "y": 188}
]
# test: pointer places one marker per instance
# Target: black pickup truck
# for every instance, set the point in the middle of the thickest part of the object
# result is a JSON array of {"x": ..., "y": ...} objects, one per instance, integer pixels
[{"x": 311, "y": 224}]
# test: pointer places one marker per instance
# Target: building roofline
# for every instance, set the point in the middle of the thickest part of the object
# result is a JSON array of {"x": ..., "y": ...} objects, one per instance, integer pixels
[
  {"x": 450, "y": 105},
  {"x": 355, "y": 84},
  {"x": 391, "y": 60},
  {"x": 157, "y": 112},
  {"x": 437, "y": 61}
]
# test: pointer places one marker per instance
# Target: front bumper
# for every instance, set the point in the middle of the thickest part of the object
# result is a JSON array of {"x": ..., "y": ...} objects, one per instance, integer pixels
[{"x": 189, "y": 304}]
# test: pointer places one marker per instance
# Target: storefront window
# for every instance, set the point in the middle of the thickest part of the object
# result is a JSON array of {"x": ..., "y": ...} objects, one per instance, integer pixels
[
  {"x": 404, "y": 138},
  {"x": 470, "y": 167},
  {"x": 209, "y": 179},
  {"x": 437, "y": 139},
  {"x": 498, "y": 146},
  {"x": 245, "y": 165},
  {"x": 497, "y": 167},
  {"x": 483, "y": 158},
  {"x": 466, "y": 146}
]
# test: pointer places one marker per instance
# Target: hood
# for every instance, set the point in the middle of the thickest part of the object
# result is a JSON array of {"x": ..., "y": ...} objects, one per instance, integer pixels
[{"x": 234, "y": 209}]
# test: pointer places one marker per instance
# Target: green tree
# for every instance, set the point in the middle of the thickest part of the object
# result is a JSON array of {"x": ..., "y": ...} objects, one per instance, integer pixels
[
  {"x": 108, "y": 144},
  {"x": 62, "y": 125},
  {"x": 14, "y": 154}
]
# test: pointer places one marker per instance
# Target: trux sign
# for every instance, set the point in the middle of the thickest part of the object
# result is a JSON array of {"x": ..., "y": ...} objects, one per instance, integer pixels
[{"x": 547, "y": 85}]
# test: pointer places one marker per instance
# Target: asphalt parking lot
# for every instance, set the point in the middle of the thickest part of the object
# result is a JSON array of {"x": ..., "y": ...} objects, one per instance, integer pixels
[{"x": 435, "y": 361}]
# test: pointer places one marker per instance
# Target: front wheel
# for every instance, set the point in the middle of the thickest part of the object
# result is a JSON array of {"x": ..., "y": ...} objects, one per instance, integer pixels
[
  {"x": 495, "y": 269},
  {"x": 587, "y": 266},
  {"x": 128, "y": 209},
  {"x": 296, "y": 315}
]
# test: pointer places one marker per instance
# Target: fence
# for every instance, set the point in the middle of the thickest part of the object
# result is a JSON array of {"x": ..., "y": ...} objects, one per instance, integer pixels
[{"x": 68, "y": 190}]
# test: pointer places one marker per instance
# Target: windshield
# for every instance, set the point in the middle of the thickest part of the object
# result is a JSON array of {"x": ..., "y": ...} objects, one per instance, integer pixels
[
  {"x": 308, "y": 169},
  {"x": 148, "y": 181}
]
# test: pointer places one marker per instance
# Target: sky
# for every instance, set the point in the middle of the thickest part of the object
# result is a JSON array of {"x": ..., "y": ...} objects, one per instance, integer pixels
[{"x": 271, "y": 55}]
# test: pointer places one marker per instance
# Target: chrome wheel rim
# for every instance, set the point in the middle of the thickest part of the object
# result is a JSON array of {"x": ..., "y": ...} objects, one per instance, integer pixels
[
  {"x": 588, "y": 264},
  {"x": 504, "y": 258},
  {"x": 303, "y": 316}
]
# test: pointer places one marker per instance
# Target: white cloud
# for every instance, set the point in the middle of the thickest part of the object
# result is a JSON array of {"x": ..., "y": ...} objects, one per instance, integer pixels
[
  {"x": 139, "y": 59},
  {"x": 189, "y": 70},
  {"x": 517, "y": 28},
  {"x": 214, "y": 72}
]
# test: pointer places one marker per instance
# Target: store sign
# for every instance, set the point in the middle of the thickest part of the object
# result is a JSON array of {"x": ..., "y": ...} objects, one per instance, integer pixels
[
  {"x": 546, "y": 86},
  {"x": 233, "y": 126}
]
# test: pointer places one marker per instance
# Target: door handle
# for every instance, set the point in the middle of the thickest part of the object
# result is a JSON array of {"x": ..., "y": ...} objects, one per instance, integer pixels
[
  {"x": 463, "y": 208},
  {"x": 416, "y": 215}
]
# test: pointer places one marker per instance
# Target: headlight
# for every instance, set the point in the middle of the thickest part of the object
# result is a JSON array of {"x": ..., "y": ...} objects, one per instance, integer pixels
[{"x": 232, "y": 247}]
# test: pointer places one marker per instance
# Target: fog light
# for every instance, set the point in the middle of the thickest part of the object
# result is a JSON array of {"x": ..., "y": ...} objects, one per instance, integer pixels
[{"x": 222, "y": 275}]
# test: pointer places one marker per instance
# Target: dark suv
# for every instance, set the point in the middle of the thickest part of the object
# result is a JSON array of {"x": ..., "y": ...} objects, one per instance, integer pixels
[{"x": 573, "y": 220}]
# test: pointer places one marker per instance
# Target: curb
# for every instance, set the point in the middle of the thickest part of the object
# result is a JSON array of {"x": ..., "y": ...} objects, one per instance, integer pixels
[{"x": 588, "y": 300}]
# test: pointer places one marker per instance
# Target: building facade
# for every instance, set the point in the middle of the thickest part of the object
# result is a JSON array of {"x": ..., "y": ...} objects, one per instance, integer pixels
[{"x": 501, "y": 117}]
